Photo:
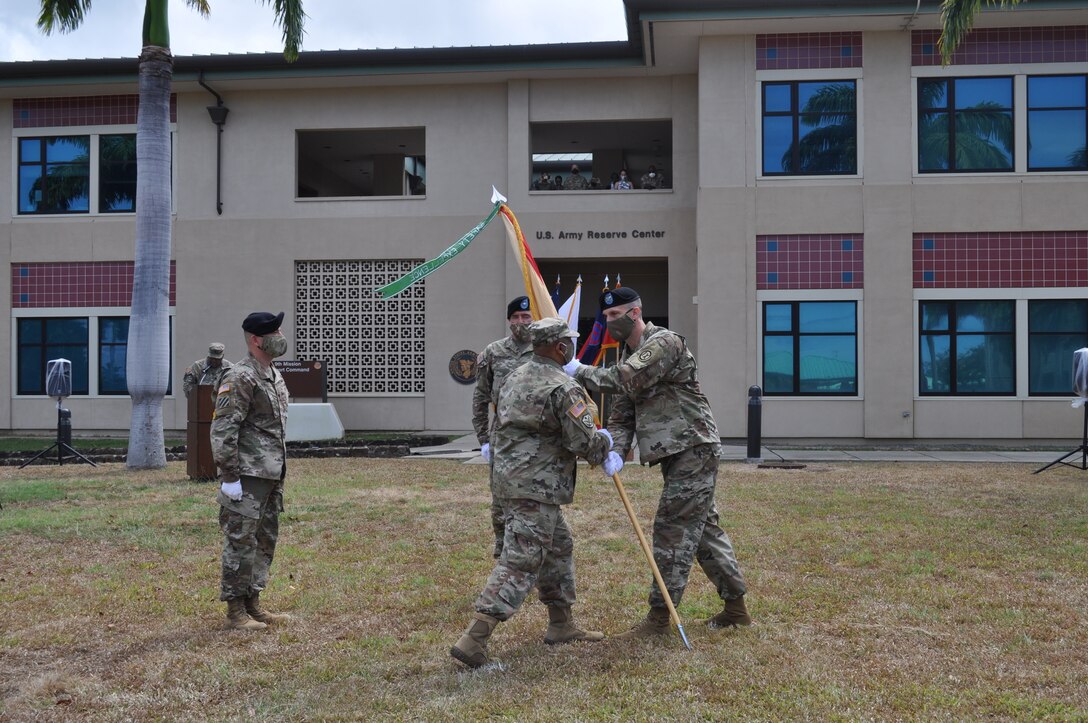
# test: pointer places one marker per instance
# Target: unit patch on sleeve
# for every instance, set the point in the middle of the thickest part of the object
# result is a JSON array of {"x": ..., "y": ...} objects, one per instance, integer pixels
[{"x": 645, "y": 357}]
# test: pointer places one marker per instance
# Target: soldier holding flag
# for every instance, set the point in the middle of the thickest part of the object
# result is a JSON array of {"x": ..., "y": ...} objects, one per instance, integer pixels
[{"x": 657, "y": 396}]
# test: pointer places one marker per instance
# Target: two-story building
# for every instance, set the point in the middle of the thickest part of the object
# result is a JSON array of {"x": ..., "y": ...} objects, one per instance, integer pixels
[{"x": 890, "y": 248}]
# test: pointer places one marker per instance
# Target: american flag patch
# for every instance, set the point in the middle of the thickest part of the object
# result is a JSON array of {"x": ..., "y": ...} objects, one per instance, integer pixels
[
  {"x": 577, "y": 410},
  {"x": 224, "y": 388}
]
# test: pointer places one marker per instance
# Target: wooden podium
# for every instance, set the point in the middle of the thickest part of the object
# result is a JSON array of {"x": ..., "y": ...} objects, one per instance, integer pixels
[{"x": 199, "y": 463}]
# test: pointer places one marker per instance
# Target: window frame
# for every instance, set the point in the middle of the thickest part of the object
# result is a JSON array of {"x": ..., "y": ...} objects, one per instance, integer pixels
[
  {"x": 806, "y": 76},
  {"x": 298, "y": 132},
  {"x": 951, "y": 111},
  {"x": 796, "y": 297},
  {"x": 93, "y": 314},
  {"x": 1027, "y": 118},
  {"x": 794, "y": 114},
  {"x": 94, "y": 168},
  {"x": 1032, "y": 335},
  {"x": 953, "y": 336},
  {"x": 1019, "y": 73},
  {"x": 44, "y": 355}
]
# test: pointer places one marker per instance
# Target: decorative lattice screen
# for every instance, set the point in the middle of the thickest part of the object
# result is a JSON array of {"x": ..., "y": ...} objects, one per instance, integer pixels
[{"x": 371, "y": 346}]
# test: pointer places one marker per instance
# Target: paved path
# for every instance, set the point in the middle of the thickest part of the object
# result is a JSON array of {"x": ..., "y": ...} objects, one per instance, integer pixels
[{"x": 466, "y": 448}]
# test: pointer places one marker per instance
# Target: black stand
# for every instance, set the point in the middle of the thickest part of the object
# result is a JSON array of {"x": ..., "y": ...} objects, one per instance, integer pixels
[
  {"x": 1082, "y": 450},
  {"x": 63, "y": 445}
]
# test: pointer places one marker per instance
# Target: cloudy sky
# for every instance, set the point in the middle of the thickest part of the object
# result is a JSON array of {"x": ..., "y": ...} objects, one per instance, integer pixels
[{"x": 112, "y": 27}]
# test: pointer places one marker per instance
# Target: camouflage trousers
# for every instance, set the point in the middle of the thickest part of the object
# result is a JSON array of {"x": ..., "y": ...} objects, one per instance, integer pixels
[
  {"x": 686, "y": 527},
  {"x": 538, "y": 549},
  {"x": 250, "y": 529},
  {"x": 498, "y": 516}
]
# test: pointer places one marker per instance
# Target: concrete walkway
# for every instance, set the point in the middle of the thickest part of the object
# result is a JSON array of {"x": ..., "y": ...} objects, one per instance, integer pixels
[{"x": 467, "y": 449}]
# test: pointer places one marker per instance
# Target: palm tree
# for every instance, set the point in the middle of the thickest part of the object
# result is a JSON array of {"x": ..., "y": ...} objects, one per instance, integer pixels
[
  {"x": 957, "y": 19},
  {"x": 831, "y": 145},
  {"x": 148, "y": 367}
]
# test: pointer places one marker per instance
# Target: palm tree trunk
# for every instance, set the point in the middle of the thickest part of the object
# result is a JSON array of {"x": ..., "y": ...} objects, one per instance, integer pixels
[{"x": 148, "y": 363}]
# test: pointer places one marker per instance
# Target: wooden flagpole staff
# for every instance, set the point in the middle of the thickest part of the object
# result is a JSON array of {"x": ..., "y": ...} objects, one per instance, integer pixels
[{"x": 650, "y": 559}]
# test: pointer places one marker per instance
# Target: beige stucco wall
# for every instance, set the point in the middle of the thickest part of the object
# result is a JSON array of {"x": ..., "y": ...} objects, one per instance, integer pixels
[{"x": 477, "y": 134}]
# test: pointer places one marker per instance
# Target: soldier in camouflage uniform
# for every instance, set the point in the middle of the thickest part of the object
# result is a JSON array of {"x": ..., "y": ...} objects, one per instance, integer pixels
[
  {"x": 657, "y": 396},
  {"x": 543, "y": 425},
  {"x": 206, "y": 371},
  {"x": 248, "y": 442},
  {"x": 493, "y": 366}
]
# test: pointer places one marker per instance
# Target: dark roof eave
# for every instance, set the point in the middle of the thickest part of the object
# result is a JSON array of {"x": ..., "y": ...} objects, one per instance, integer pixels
[{"x": 472, "y": 58}]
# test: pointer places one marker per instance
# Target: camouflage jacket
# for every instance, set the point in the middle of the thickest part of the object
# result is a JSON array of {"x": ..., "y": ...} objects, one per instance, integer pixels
[
  {"x": 543, "y": 424},
  {"x": 575, "y": 182},
  {"x": 494, "y": 365},
  {"x": 657, "y": 395},
  {"x": 200, "y": 370},
  {"x": 250, "y": 424}
]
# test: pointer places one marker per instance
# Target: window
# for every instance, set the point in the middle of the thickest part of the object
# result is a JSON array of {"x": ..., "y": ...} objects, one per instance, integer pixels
[
  {"x": 601, "y": 150},
  {"x": 965, "y": 124},
  {"x": 54, "y": 174},
  {"x": 1057, "y": 127},
  {"x": 362, "y": 163},
  {"x": 117, "y": 173},
  {"x": 810, "y": 128},
  {"x": 41, "y": 340},
  {"x": 112, "y": 354},
  {"x": 967, "y": 347},
  {"x": 810, "y": 347},
  {"x": 1056, "y": 328}
]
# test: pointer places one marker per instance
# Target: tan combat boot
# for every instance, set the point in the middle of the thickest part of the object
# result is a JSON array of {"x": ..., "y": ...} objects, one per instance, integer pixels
[
  {"x": 655, "y": 625},
  {"x": 561, "y": 628},
  {"x": 253, "y": 608},
  {"x": 238, "y": 617},
  {"x": 471, "y": 649},
  {"x": 735, "y": 613}
]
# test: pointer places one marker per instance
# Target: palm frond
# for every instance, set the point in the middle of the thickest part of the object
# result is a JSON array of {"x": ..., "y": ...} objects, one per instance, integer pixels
[
  {"x": 290, "y": 17},
  {"x": 62, "y": 15},
  {"x": 957, "y": 19},
  {"x": 201, "y": 6}
]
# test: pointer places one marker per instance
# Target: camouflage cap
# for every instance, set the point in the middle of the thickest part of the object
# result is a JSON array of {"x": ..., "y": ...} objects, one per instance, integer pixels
[
  {"x": 215, "y": 351},
  {"x": 550, "y": 330}
]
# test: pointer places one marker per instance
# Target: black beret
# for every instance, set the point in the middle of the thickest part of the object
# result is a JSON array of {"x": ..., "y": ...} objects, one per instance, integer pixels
[
  {"x": 262, "y": 322},
  {"x": 618, "y": 297},
  {"x": 519, "y": 304}
]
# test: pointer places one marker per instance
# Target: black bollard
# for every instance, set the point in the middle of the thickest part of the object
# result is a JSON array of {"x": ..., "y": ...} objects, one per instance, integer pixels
[{"x": 755, "y": 422}]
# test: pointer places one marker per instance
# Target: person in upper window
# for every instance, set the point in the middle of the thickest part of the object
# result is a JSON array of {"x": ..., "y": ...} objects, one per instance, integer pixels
[
  {"x": 557, "y": 183},
  {"x": 544, "y": 183},
  {"x": 623, "y": 181},
  {"x": 652, "y": 179},
  {"x": 575, "y": 181}
]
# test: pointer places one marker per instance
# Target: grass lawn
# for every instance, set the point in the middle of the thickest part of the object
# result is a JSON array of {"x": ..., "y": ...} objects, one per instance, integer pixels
[{"x": 881, "y": 591}]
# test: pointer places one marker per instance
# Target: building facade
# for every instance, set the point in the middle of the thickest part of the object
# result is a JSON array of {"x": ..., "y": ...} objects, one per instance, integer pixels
[{"x": 890, "y": 248}]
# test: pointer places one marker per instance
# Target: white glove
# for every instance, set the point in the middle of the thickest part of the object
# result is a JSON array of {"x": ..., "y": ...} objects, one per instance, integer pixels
[
  {"x": 232, "y": 490},
  {"x": 572, "y": 367},
  {"x": 607, "y": 435},
  {"x": 613, "y": 463},
  {"x": 485, "y": 451}
]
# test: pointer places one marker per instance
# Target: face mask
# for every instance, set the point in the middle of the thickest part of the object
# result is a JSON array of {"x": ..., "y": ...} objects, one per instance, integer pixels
[
  {"x": 652, "y": 174},
  {"x": 568, "y": 351},
  {"x": 520, "y": 332},
  {"x": 274, "y": 346},
  {"x": 621, "y": 328},
  {"x": 623, "y": 176}
]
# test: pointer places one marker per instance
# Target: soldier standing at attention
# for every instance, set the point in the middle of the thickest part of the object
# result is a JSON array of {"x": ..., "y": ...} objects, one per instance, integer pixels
[
  {"x": 248, "y": 443},
  {"x": 543, "y": 425},
  {"x": 494, "y": 365},
  {"x": 206, "y": 371},
  {"x": 658, "y": 397}
]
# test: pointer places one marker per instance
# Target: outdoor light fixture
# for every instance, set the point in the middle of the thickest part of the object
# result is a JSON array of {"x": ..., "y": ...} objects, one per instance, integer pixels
[{"x": 218, "y": 113}]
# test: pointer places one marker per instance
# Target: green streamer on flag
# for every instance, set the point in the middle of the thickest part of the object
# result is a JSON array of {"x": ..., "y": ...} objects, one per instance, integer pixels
[{"x": 427, "y": 268}]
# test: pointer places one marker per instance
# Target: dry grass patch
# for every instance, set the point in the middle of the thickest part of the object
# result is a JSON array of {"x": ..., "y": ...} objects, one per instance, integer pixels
[{"x": 886, "y": 591}]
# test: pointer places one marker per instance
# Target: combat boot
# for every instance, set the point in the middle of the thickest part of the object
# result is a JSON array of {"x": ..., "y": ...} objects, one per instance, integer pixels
[
  {"x": 655, "y": 625},
  {"x": 253, "y": 608},
  {"x": 735, "y": 613},
  {"x": 238, "y": 617},
  {"x": 471, "y": 649},
  {"x": 561, "y": 628}
]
